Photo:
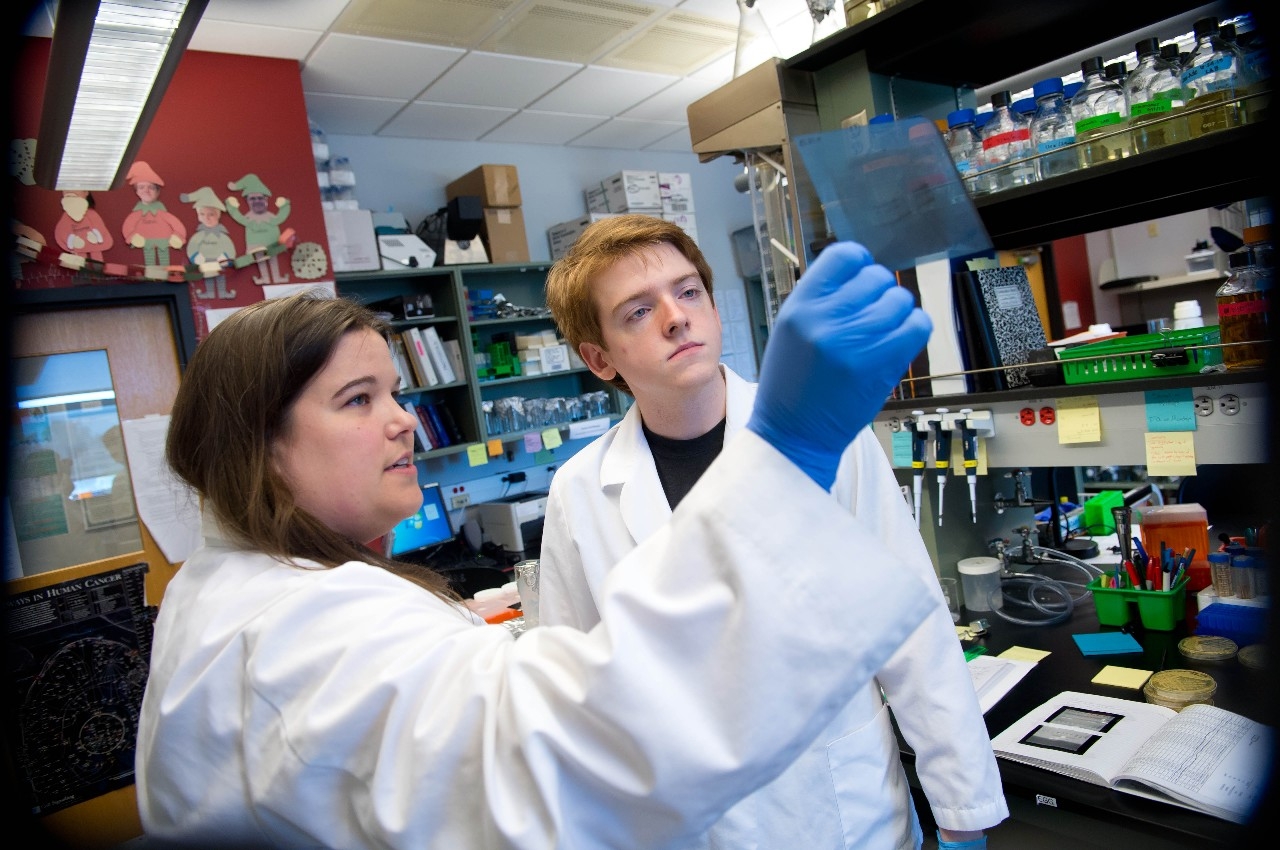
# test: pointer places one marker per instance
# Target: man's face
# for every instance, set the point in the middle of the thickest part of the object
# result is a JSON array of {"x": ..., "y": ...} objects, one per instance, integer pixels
[
  {"x": 209, "y": 216},
  {"x": 147, "y": 192},
  {"x": 257, "y": 203},
  {"x": 660, "y": 327}
]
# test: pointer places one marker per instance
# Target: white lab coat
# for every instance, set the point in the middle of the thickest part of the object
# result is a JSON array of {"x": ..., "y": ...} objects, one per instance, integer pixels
[
  {"x": 348, "y": 708},
  {"x": 848, "y": 789}
]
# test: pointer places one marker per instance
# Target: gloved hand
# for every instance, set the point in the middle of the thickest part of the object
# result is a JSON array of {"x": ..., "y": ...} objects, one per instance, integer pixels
[
  {"x": 842, "y": 340},
  {"x": 979, "y": 843}
]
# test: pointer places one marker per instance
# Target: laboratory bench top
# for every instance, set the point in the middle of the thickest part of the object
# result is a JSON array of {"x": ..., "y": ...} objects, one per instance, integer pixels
[{"x": 1246, "y": 691}]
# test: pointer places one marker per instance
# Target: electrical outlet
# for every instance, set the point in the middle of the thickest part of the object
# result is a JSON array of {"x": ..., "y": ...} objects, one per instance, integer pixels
[
  {"x": 460, "y": 500},
  {"x": 1204, "y": 405},
  {"x": 1230, "y": 404}
]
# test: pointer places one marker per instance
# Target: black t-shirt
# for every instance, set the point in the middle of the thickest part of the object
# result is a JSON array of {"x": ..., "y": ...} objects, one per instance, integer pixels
[{"x": 681, "y": 463}]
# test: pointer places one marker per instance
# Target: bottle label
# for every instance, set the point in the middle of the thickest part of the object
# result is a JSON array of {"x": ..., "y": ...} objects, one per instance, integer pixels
[
  {"x": 1098, "y": 121},
  {"x": 1151, "y": 107},
  {"x": 1242, "y": 308},
  {"x": 1022, "y": 134},
  {"x": 1053, "y": 144},
  {"x": 1214, "y": 65}
]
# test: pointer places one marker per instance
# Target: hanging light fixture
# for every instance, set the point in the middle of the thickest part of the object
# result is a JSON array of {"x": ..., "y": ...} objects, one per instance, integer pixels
[{"x": 109, "y": 66}]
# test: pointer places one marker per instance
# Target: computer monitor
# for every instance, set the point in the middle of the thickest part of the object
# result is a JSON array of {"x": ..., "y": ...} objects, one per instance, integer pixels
[{"x": 427, "y": 528}]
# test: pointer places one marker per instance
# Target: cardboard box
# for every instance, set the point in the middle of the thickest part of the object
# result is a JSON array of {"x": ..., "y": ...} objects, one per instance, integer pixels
[
  {"x": 495, "y": 185},
  {"x": 562, "y": 236},
  {"x": 503, "y": 233},
  {"x": 597, "y": 199},
  {"x": 687, "y": 222},
  {"x": 633, "y": 192},
  {"x": 676, "y": 190},
  {"x": 352, "y": 245}
]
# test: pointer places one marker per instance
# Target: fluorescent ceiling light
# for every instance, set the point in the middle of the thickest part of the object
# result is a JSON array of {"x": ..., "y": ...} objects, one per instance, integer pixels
[{"x": 109, "y": 66}]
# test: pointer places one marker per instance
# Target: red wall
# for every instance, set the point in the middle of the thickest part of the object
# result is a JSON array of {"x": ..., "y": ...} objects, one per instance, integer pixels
[
  {"x": 223, "y": 116},
  {"x": 1071, "y": 268}
]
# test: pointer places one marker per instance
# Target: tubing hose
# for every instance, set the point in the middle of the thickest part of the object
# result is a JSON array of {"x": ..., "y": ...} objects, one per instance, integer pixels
[{"x": 1053, "y": 599}]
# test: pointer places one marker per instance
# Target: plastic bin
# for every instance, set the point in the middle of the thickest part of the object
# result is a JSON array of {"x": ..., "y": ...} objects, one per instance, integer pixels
[
  {"x": 1097, "y": 512},
  {"x": 1141, "y": 356},
  {"x": 1159, "y": 610},
  {"x": 1244, "y": 624}
]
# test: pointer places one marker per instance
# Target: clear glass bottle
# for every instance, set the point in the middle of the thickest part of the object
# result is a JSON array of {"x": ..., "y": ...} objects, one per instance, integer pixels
[
  {"x": 1098, "y": 112},
  {"x": 1244, "y": 302},
  {"x": 1257, "y": 71},
  {"x": 1052, "y": 129},
  {"x": 982, "y": 180},
  {"x": 1006, "y": 146},
  {"x": 965, "y": 145},
  {"x": 1213, "y": 83},
  {"x": 1153, "y": 90}
]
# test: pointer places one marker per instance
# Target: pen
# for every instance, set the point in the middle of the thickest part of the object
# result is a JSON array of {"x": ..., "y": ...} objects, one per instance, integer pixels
[{"x": 1133, "y": 575}]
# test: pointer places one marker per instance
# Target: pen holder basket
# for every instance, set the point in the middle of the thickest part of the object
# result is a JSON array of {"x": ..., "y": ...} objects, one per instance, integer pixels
[{"x": 1159, "y": 610}]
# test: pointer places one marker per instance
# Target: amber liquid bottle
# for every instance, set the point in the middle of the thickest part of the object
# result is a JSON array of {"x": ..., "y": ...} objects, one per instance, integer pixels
[{"x": 1244, "y": 303}]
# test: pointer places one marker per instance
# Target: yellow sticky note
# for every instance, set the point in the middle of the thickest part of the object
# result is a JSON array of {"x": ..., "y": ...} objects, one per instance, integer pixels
[
  {"x": 1171, "y": 453},
  {"x": 551, "y": 438},
  {"x": 1078, "y": 420},
  {"x": 476, "y": 455},
  {"x": 957, "y": 457},
  {"x": 1023, "y": 653},
  {"x": 1122, "y": 677},
  {"x": 495, "y": 447}
]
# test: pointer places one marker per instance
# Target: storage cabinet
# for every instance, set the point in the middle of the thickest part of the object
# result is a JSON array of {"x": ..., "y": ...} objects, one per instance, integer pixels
[{"x": 470, "y": 398}]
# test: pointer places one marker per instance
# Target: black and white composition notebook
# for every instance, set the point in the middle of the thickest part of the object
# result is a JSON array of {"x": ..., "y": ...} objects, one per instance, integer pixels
[
  {"x": 1203, "y": 758},
  {"x": 1011, "y": 317}
]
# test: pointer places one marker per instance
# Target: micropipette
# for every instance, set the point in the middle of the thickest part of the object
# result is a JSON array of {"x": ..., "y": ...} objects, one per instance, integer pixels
[
  {"x": 969, "y": 447},
  {"x": 941, "y": 455},
  {"x": 919, "y": 447}
]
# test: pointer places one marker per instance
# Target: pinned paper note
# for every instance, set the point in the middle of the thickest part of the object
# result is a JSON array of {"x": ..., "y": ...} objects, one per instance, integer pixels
[
  {"x": 495, "y": 447},
  {"x": 1170, "y": 410},
  {"x": 476, "y": 455},
  {"x": 551, "y": 438},
  {"x": 1078, "y": 420},
  {"x": 901, "y": 454},
  {"x": 1171, "y": 453},
  {"x": 1122, "y": 677},
  {"x": 532, "y": 442}
]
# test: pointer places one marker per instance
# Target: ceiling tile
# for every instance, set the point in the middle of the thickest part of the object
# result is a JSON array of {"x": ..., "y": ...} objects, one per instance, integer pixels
[
  {"x": 350, "y": 115},
  {"x": 350, "y": 64},
  {"x": 460, "y": 23},
  {"x": 676, "y": 44},
  {"x": 680, "y": 142},
  {"x": 570, "y": 30},
  {"x": 672, "y": 103},
  {"x": 543, "y": 128},
  {"x": 254, "y": 39},
  {"x": 300, "y": 14},
  {"x": 721, "y": 10},
  {"x": 624, "y": 133},
  {"x": 473, "y": 79},
  {"x": 445, "y": 121},
  {"x": 602, "y": 91}
]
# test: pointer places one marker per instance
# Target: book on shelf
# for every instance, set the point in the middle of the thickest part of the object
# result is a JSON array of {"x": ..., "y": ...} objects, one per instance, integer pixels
[
  {"x": 424, "y": 419},
  {"x": 978, "y": 341},
  {"x": 1202, "y": 758},
  {"x": 438, "y": 428},
  {"x": 418, "y": 356},
  {"x": 445, "y": 415},
  {"x": 400, "y": 358},
  {"x": 916, "y": 381},
  {"x": 439, "y": 358},
  {"x": 1012, "y": 317},
  {"x": 933, "y": 282},
  {"x": 454, "y": 350},
  {"x": 419, "y": 431}
]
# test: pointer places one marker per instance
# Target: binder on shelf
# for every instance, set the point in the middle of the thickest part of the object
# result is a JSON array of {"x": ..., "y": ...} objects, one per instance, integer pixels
[
  {"x": 1012, "y": 317},
  {"x": 933, "y": 278},
  {"x": 420, "y": 358},
  {"x": 420, "y": 431},
  {"x": 445, "y": 415},
  {"x": 454, "y": 350},
  {"x": 977, "y": 335},
  {"x": 438, "y": 357},
  {"x": 400, "y": 358}
]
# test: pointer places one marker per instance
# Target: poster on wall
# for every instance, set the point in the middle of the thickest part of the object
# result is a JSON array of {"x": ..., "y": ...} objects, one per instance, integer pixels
[{"x": 78, "y": 655}]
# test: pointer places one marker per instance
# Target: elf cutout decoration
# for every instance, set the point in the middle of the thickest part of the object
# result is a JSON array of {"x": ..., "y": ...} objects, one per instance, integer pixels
[
  {"x": 150, "y": 226},
  {"x": 210, "y": 248},
  {"x": 261, "y": 226},
  {"x": 81, "y": 231}
]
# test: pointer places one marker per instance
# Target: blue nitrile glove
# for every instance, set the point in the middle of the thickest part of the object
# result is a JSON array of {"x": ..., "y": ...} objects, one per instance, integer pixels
[
  {"x": 974, "y": 844},
  {"x": 842, "y": 340}
]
